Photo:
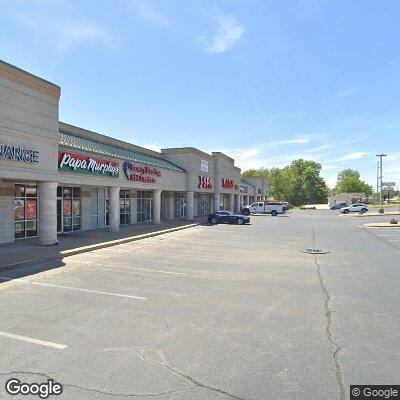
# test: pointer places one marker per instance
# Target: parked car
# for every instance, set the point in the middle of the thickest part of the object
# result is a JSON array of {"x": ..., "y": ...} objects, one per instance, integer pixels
[
  {"x": 358, "y": 207},
  {"x": 338, "y": 206},
  {"x": 226, "y": 217},
  {"x": 268, "y": 207}
]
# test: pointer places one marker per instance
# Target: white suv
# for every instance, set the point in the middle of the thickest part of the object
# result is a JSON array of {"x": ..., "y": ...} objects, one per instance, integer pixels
[{"x": 359, "y": 207}]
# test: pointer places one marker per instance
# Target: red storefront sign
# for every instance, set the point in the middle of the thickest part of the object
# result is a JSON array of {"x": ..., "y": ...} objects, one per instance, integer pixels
[
  {"x": 229, "y": 184},
  {"x": 205, "y": 182},
  {"x": 137, "y": 173}
]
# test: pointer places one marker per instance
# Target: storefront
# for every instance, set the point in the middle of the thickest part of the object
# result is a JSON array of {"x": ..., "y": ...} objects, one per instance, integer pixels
[
  {"x": 58, "y": 179},
  {"x": 227, "y": 183},
  {"x": 26, "y": 211}
]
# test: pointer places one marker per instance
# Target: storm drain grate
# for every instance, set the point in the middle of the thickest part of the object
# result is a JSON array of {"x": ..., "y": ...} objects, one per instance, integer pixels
[{"x": 314, "y": 251}]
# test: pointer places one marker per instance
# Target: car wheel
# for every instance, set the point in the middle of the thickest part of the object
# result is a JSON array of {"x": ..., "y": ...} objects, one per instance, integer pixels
[
  {"x": 240, "y": 221},
  {"x": 246, "y": 212},
  {"x": 346, "y": 211},
  {"x": 214, "y": 221},
  {"x": 274, "y": 213},
  {"x": 363, "y": 210}
]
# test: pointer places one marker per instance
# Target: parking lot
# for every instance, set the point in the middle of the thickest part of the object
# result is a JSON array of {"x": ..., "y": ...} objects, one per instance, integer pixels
[{"x": 212, "y": 312}]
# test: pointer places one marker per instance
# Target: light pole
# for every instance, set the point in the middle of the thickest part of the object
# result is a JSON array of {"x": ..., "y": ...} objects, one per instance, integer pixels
[
  {"x": 380, "y": 180},
  {"x": 377, "y": 178}
]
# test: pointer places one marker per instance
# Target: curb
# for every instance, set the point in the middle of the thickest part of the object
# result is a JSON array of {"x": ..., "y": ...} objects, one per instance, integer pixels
[
  {"x": 381, "y": 225},
  {"x": 103, "y": 245},
  {"x": 374, "y": 214}
]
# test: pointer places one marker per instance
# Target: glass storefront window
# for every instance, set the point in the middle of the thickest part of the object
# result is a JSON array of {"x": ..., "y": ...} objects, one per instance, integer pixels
[
  {"x": 180, "y": 205},
  {"x": 224, "y": 203},
  {"x": 25, "y": 211},
  {"x": 144, "y": 206},
  {"x": 99, "y": 199},
  {"x": 69, "y": 205},
  {"x": 204, "y": 204},
  {"x": 124, "y": 206}
]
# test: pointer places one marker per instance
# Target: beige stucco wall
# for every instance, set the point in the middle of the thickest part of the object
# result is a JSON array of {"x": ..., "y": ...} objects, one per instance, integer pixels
[
  {"x": 348, "y": 198},
  {"x": 190, "y": 160},
  {"x": 260, "y": 186},
  {"x": 28, "y": 119},
  {"x": 224, "y": 168}
]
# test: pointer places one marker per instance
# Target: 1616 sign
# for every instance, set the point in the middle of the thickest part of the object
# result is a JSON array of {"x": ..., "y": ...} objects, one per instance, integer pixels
[
  {"x": 205, "y": 182},
  {"x": 229, "y": 184}
]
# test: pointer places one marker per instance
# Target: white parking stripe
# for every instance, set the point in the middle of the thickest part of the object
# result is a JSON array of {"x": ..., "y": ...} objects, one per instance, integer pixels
[
  {"x": 154, "y": 270},
  {"x": 74, "y": 288},
  {"x": 89, "y": 290},
  {"x": 146, "y": 269},
  {"x": 34, "y": 341}
]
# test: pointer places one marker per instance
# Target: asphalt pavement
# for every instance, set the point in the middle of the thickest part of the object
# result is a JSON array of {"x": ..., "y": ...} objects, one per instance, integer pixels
[{"x": 212, "y": 312}]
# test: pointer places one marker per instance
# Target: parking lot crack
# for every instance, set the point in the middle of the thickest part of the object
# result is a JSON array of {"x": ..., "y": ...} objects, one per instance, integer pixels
[
  {"x": 328, "y": 328},
  {"x": 196, "y": 382},
  {"x": 92, "y": 390}
]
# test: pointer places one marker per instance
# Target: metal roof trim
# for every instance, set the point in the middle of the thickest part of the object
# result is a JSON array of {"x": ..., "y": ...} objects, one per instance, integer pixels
[{"x": 91, "y": 146}]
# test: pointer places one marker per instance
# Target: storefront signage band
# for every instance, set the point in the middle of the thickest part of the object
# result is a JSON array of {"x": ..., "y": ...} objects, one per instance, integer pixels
[
  {"x": 137, "y": 173},
  {"x": 72, "y": 162},
  {"x": 18, "y": 153}
]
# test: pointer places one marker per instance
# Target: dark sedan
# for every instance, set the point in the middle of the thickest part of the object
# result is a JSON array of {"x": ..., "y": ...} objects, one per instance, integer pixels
[{"x": 226, "y": 217}]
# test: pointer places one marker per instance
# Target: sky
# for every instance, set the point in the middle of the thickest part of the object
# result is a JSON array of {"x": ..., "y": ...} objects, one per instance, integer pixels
[{"x": 265, "y": 82}]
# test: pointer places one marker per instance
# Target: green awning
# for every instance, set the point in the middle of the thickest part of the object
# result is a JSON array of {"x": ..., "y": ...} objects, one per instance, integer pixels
[{"x": 91, "y": 146}]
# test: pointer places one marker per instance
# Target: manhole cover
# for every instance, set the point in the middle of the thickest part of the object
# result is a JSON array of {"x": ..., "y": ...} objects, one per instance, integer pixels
[{"x": 314, "y": 251}]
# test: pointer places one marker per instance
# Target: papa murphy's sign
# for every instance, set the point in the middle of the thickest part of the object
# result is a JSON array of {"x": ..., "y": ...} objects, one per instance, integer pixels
[
  {"x": 72, "y": 162},
  {"x": 138, "y": 173}
]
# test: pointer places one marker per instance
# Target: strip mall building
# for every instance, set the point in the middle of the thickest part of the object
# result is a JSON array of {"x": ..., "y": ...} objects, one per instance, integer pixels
[{"x": 57, "y": 178}]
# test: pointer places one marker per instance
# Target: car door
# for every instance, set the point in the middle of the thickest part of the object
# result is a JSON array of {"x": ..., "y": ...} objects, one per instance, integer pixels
[
  {"x": 254, "y": 207},
  {"x": 224, "y": 218}
]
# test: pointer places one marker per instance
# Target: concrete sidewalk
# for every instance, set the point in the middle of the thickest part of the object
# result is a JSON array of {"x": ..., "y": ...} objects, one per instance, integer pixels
[{"x": 27, "y": 251}]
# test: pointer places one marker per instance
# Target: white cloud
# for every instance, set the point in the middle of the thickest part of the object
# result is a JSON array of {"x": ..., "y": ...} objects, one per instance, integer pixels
[
  {"x": 66, "y": 35},
  {"x": 357, "y": 155},
  {"x": 150, "y": 14},
  {"x": 227, "y": 34},
  {"x": 346, "y": 93},
  {"x": 73, "y": 34},
  {"x": 384, "y": 59}
]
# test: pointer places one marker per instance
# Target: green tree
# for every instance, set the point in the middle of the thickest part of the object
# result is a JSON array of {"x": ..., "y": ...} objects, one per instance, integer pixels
[
  {"x": 349, "y": 181},
  {"x": 298, "y": 183}
]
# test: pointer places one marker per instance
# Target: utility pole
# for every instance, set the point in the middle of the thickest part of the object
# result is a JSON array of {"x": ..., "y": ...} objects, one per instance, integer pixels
[
  {"x": 380, "y": 180},
  {"x": 377, "y": 178}
]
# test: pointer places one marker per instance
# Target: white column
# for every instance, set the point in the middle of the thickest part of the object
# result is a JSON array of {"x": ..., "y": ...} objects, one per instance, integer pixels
[
  {"x": 189, "y": 206},
  {"x": 217, "y": 198},
  {"x": 171, "y": 207},
  {"x": 238, "y": 207},
  {"x": 156, "y": 206},
  {"x": 47, "y": 213},
  {"x": 247, "y": 200},
  {"x": 114, "y": 209},
  {"x": 231, "y": 202}
]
